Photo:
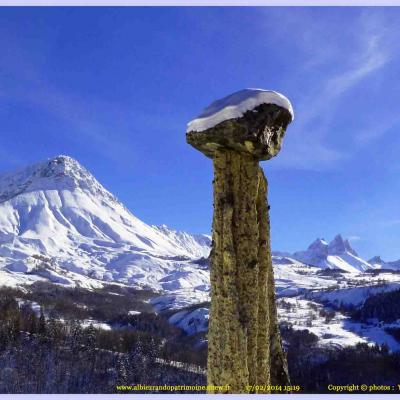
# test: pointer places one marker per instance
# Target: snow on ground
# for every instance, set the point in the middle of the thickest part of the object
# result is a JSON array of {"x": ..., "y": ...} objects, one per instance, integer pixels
[
  {"x": 191, "y": 322},
  {"x": 134, "y": 312},
  {"x": 304, "y": 294},
  {"x": 96, "y": 324},
  {"x": 235, "y": 105},
  {"x": 55, "y": 213},
  {"x": 20, "y": 280},
  {"x": 304, "y": 289},
  {"x": 32, "y": 304},
  {"x": 196, "y": 245},
  {"x": 59, "y": 225},
  {"x": 339, "y": 330},
  {"x": 10, "y": 277},
  {"x": 179, "y": 299},
  {"x": 293, "y": 277},
  {"x": 305, "y": 314},
  {"x": 374, "y": 333},
  {"x": 353, "y": 296}
]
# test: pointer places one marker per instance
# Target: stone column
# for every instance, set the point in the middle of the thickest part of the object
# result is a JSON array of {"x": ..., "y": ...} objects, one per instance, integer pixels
[{"x": 244, "y": 345}]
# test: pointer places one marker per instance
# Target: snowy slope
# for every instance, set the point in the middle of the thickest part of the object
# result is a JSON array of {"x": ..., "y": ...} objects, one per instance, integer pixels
[
  {"x": 59, "y": 225},
  {"x": 377, "y": 262},
  {"x": 338, "y": 331},
  {"x": 338, "y": 254},
  {"x": 303, "y": 293},
  {"x": 59, "y": 210},
  {"x": 192, "y": 321},
  {"x": 235, "y": 105},
  {"x": 196, "y": 245}
]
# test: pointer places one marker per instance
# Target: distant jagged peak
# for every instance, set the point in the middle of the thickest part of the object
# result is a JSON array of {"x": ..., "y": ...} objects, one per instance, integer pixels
[
  {"x": 318, "y": 243},
  {"x": 319, "y": 247},
  {"x": 338, "y": 239},
  {"x": 338, "y": 254},
  {"x": 339, "y": 246},
  {"x": 58, "y": 173},
  {"x": 376, "y": 260}
]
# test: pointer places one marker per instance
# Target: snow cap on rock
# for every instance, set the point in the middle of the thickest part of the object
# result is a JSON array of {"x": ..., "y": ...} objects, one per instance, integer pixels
[
  {"x": 250, "y": 121},
  {"x": 235, "y": 105}
]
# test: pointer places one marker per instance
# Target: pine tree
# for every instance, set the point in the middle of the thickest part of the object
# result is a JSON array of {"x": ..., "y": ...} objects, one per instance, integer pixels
[
  {"x": 122, "y": 370},
  {"x": 42, "y": 328},
  {"x": 90, "y": 337},
  {"x": 32, "y": 323}
]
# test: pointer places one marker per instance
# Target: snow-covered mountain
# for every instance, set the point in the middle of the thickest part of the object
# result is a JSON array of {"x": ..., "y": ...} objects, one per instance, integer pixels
[
  {"x": 58, "y": 224},
  {"x": 196, "y": 245},
  {"x": 338, "y": 254},
  {"x": 377, "y": 262},
  {"x": 56, "y": 209}
]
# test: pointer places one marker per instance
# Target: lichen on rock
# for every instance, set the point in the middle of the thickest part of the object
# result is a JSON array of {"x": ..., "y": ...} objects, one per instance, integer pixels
[{"x": 244, "y": 345}]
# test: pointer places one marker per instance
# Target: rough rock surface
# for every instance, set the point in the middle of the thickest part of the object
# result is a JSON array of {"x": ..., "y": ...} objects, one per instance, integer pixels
[
  {"x": 244, "y": 345},
  {"x": 244, "y": 341},
  {"x": 259, "y": 133}
]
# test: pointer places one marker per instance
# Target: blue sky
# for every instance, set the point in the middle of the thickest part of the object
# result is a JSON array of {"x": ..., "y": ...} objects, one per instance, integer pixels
[{"x": 115, "y": 88}]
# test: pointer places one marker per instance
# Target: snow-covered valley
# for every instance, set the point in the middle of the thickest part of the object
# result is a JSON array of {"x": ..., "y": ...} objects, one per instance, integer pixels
[{"x": 58, "y": 225}]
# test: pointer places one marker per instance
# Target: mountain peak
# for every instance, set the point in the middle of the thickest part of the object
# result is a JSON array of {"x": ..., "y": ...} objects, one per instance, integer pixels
[
  {"x": 58, "y": 173},
  {"x": 56, "y": 210},
  {"x": 63, "y": 158},
  {"x": 376, "y": 260},
  {"x": 59, "y": 166},
  {"x": 339, "y": 246},
  {"x": 338, "y": 254},
  {"x": 318, "y": 243}
]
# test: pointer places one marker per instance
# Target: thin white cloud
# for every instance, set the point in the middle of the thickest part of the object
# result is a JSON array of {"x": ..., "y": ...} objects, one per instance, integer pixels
[
  {"x": 338, "y": 85},
  {"x": 369, "y": 57},
  {"x": 316, "y": 107},
  {"x": 375, "y": 130},
  {"x": 354, "y": 238}
]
